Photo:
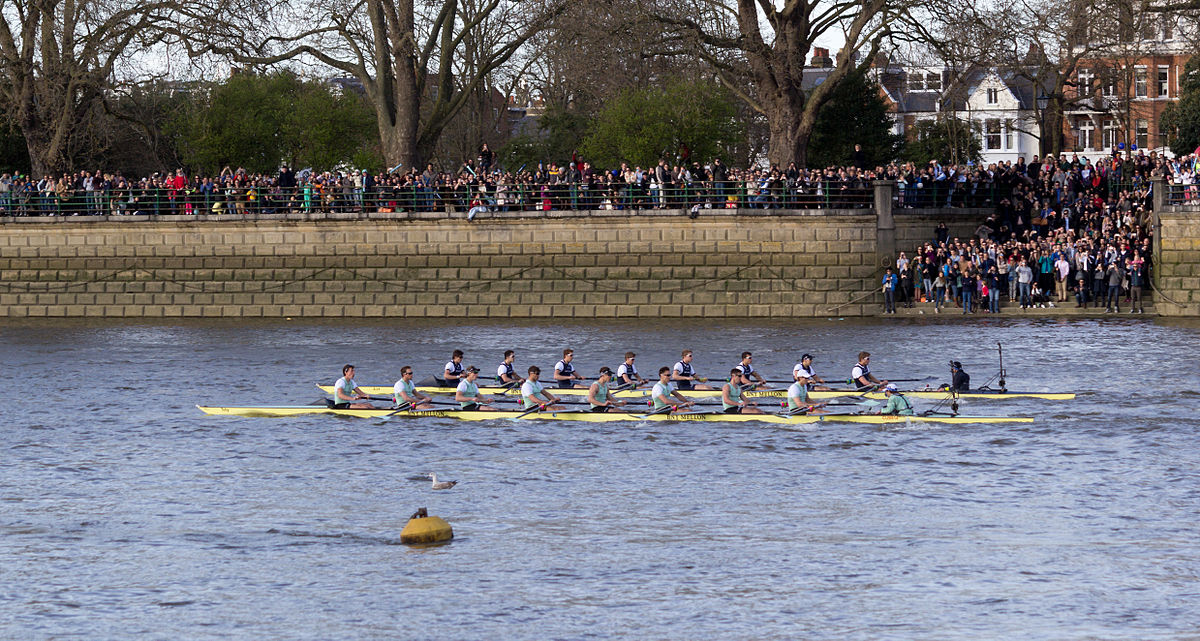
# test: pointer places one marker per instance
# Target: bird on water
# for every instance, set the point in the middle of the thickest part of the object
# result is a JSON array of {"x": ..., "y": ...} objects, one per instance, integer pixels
[{"x": 441, "y": 485}]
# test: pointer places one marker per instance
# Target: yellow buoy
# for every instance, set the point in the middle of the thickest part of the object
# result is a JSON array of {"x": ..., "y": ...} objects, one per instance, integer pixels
[{"x": 422, "y": 528}]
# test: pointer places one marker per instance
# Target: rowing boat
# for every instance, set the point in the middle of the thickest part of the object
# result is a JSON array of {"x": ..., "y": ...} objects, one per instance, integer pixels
[
  {"x": 377, "y": 390},
  {"x": 607, "y": 417}
]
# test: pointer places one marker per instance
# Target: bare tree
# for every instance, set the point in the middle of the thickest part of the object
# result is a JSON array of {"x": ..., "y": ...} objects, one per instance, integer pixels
[
  {"x": 774, "y": 42},
  {"x": 407, "y": 54}
]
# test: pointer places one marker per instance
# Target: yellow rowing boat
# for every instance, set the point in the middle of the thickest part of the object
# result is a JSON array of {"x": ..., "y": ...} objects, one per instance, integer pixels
[{"x": 607, "y": 417}]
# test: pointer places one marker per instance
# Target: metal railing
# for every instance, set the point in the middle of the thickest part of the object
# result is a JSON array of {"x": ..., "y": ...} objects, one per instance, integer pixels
[{"x": 1178, "y": 194}]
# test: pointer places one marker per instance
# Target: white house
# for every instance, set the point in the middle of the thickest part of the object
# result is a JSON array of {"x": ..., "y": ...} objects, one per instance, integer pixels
[{"x": 1001, "y": 107}]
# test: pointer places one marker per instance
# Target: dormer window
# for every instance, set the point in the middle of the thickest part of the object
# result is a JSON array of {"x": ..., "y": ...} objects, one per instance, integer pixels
[{"x": 993, "y": 96}]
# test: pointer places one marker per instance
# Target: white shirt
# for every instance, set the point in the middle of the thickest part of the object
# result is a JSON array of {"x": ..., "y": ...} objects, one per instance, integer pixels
[
  {"x": 858, "y": 372},
  {"x": 626, "y": 368},
  {"x": 502, "y": 371},
  {"x": 801, "y": 370},
  {"x": 347, "y": 388}
]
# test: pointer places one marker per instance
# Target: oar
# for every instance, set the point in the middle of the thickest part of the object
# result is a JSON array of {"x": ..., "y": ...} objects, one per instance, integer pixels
[
  {"x": 666, "y": 409},
  {"x": 403, "y": 408},
  {"x": 535, "y": 408}
]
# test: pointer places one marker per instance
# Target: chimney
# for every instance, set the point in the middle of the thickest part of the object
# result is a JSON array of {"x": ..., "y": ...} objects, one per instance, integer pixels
[{"x": 821, "y": 58}]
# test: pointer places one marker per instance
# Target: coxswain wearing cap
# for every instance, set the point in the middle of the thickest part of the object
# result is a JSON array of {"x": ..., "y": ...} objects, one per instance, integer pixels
[
  {"x": 897, "y": 403},
  {"x": 599, "y": 397},
  {"x": 346, "y": 391},
  {"x": 804, "y": 369},
  {"x": 564, "y": 372},
  {"x": 747, "y": 374},
  {"x": 405, "y": 393},
  {"x": 454, "y": 369},
  {"x": 627, "y": 374},
  {"x": 960, "y": 381},
  {"x": 684, "y": 376},
  {"x": 731, "y": 396},
  {"x": 506, "y": 375},
  {"x": 861, "y": 375},
  {"x": 467, "y": 394},
  {"x": 663, "y": 396},
  {"x": 533, "y": 394}
]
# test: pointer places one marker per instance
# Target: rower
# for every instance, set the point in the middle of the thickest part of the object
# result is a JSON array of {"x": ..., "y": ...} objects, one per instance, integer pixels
[
  {"x": 454, "y": 369},
  {"x": 405, "y": 393},
  {"x": 684, "y": 376},
  {"x": 346, "y": 391},
  {"x": 960, "y": 381},
  {"x": 861, "y": 374},
  {"x": 662, "y": 394},
  {"x": 731, "y": 395},
  {"x": 531, "y": 389},
  {"x": 506, "y": 376},
  {"x": 564, "y": 372},
  {"x": 804, "y": 369},
  {"x": 797, "y": 396},
  {"x": 598, "y": 395},
  {"x": 746, "y": 372},
  {"x": 467, "y": 394},
  {"x": 627, "y": 374},
  {"x": 897, "y": 403}
]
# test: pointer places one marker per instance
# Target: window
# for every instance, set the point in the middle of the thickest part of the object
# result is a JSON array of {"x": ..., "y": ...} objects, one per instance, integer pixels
[
  {"x": 1164, "y": 75},
  {"x": 1008, "y": 134},
  {"x": 993, "y": 96},
  {"x": 933, "y": 82},
  {"x": 1111, "y": 134},
  {"x": 1168, "y": 27},
  {"x": 991, "y": 133},
  {"x": 1086, "y": 78},
  {"x": 1109, "y": 87},
  {"x": 1086, "y": 134},
  {"x": 1143, "y": 134},
  {"x": 1139, "y": 82}
]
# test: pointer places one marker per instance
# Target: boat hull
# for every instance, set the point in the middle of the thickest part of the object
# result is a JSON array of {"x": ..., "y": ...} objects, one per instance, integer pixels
[{"x": 607, "y": 417}]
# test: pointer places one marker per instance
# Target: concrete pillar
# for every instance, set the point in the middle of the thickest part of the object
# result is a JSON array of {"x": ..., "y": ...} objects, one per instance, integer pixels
[{"x": 885, "y": 224}]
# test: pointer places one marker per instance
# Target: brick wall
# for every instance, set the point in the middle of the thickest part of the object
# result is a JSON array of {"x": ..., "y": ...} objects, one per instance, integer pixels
[{"x": 727, "y": 264}]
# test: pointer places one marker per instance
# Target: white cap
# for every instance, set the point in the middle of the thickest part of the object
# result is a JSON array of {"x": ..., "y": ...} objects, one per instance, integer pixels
[{"x": 891, "y": 387}]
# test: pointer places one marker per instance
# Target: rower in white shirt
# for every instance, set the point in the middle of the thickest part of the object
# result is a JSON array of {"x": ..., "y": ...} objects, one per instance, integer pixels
[
  {"x": 454, "y": 369},
  {"x": 684, "y": 376},
  {"x": 564, "y": 372},
  {"x": 533, "y": 394},
  {"x": 405, "y": 393},
  {"x": 346, "y": 392},
  {"x": 506, "y": 375},
  {"x": 748, "y": 373},
  {"x": 861, "y": 376},
  {"x": 804, "y": 369},
  {"x": 627, "y": 374},
  {"x": 468, "y": 395},
  {"x": 663, "y": 396}
]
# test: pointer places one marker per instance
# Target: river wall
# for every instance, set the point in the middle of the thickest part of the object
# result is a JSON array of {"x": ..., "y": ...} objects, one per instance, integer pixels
[
  {"x": 1178, "y": 258},
  {"x": 529, "y": 265}
]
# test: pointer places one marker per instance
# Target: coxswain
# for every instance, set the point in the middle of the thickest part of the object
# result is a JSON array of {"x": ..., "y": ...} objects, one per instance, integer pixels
[
  {"x": 897, "y": 403},
  {"x": 663, "y": 396},
  {"x": 684, "y": 376},
  {"x": 598, "y": 396},
  {"x": 405, "y": 393},
  {"x": 627, "y": 374},
  {"x": 467, "y": 394},
  {"x": 960, "y": 381},
  {"x": 746, "y": 372},
  {"x": 804, "y": 369},
  {"x": 346, "y": 391},
  {"x": 454, "y": 369},
  {"x": 861, "y": 376},
  {"x": 731, "y": 396},
  {"x": 531, "y": 390},
  {"x": 564, "y": 372},
  {"x": 506, "y": 376}
]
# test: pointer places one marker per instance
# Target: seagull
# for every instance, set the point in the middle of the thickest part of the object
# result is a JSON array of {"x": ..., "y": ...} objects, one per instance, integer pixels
[{"x": 443, "y": 485}]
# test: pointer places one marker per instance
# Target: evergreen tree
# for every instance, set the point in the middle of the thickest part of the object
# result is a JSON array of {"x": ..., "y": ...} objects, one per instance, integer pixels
[
  {"x": 1181, "y": 120},
  {"x": 855, "y": 114}
]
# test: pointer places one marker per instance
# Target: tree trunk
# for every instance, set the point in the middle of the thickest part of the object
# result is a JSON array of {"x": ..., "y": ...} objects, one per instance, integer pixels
[
  {"x": 45, "y": 159},
  {"x": 789, "y": 138}
]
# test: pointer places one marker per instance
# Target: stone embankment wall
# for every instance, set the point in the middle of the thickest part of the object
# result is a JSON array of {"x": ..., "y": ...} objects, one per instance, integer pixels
[
  {"x": 1178, "y": 259},
  {"x": 725, "y": 264}
]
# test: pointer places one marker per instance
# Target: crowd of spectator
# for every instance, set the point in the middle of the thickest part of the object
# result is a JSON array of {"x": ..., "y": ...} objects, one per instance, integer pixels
[{"x": 1071, "y": 231}]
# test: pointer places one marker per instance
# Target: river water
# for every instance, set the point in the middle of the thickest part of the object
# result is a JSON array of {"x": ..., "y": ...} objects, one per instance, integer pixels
[{"x": 127, "y": 514}]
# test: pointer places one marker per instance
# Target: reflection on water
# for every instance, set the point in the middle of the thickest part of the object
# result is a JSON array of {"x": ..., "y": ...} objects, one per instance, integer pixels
[{"x": 125, "y": 513}]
